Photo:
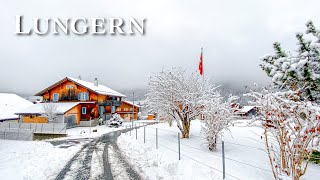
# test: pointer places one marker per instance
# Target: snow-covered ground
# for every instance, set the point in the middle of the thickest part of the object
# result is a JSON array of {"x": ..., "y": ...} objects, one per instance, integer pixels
[
  {"x": 40, "y": 159},
  {"x": 84, "y": 132},
  {"x": 244, "y": 149},
  {"x": 32, "y": 159}
]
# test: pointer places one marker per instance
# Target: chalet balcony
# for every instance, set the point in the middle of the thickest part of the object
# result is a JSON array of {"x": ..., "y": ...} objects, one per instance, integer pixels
[
  {"x": 110, "y": 103},
  {"x": 67, "y": 95}
]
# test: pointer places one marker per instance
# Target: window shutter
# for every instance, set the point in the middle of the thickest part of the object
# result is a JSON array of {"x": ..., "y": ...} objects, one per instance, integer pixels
[{"x": 79, "y": 96}]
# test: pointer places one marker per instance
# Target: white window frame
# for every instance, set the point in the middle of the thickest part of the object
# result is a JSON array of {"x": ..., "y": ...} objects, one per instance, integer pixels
[
  {"x": 69, "y": 86},
  {"x": 83, "y": 96},
  {"x": 84, "y": 109},
  {"x": 53, "y": 99}
]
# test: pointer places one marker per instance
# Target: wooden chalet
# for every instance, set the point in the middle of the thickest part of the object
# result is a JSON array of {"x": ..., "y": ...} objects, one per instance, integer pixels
[
  {"x": 94, "y": 100},
  {"x": 125, "y": 110}
]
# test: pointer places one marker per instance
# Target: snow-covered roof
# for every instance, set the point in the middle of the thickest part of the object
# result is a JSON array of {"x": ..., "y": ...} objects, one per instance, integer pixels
[
  {"x": 11, "y": 103},
  {"x": 130, "y": 102},
  {"x": 100, "y": 89},
  {"x": 62, "y": 108},
  {"x": 246, "y": 109}
]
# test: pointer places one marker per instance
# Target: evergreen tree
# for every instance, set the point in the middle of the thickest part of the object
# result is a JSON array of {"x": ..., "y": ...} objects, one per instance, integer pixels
[{"x": 298, "y": 71}]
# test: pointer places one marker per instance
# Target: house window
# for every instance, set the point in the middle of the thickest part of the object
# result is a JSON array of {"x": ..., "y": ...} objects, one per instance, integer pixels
[
  {"x": 69, "y": 86},
  {"x": 101, "y": 110},
  {"x": 83, "y": 96},
  {"x": 84, "y": 110},
  {"x": 113, "y": 109},
  {"x": 55, "y": 97}
]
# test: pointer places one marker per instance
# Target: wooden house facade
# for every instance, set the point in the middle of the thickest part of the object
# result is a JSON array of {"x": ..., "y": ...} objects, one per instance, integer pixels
[
  {"x": 94, "y": 100},
  {"x": 125, "y": 110}
]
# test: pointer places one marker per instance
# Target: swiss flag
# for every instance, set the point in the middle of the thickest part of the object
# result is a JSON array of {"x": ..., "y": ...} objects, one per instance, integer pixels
[{"x": 200, "y": 64}]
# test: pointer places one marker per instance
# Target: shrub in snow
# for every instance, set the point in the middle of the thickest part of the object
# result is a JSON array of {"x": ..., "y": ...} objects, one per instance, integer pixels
[
  {"x": 49, "y": 111},
  {"x": 291, "y": 131},
  {"x": 183, "y": 98},
  {"x": 218, "y": 116},
  {"x": 298, "y": 70}
]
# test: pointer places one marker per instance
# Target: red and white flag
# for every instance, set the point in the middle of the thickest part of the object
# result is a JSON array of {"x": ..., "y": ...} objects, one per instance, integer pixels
[{"x": 200, "y": 64}]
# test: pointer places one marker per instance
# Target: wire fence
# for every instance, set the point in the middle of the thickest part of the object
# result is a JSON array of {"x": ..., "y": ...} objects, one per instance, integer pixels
[{"x": 150, "y": 134}]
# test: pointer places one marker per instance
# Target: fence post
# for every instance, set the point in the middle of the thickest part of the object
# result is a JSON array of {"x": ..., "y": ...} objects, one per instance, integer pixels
[
  {"x": 18, "y": 134},
  {"x": 179, "y": 145},
  {"x": 144, "y": 134},
  {"x": 223, "y": 161},
  {"x": 157, "y": 138},
  {"x": 136, "y": 133}
]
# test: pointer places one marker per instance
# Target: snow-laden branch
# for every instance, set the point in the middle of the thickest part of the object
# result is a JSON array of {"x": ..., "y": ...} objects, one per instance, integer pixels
[{"x": 291, "y": 130}]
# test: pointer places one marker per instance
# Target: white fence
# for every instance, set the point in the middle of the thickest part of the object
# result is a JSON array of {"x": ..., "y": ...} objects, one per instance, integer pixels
[
  {"x": 87, "y": 123},
  {"x": 16, "y": 134},
  {"x": 45, "y": 128}
]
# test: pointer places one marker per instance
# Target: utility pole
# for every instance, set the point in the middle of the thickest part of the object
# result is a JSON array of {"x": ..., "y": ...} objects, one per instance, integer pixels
[
  {"x": 132, "y": 107},
  {"x": 90, "y": 124}
]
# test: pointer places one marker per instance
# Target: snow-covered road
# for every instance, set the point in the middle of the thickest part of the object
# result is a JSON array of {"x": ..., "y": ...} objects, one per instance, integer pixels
[{"x": 100, "y": 158}]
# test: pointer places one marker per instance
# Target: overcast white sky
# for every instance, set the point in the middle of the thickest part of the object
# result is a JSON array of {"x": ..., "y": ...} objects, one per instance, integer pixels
[{"x": 234, "y": 34}]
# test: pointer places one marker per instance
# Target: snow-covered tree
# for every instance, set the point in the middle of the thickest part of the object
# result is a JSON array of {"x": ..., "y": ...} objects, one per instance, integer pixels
[
  {"x": 291, "y": 130},
  {"x": 173, "y": 93},
  {"x": 49, "y": 111},
  {"x": 299, "y": 70},
  {"x": 290, "y": 114},
  {"x": 218, "y": 116}
]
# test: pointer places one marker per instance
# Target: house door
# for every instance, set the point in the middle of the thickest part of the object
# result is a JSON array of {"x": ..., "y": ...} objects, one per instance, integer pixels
[
  {"x": 71, "y": 121},
  {"x": 101, "y": 111}
]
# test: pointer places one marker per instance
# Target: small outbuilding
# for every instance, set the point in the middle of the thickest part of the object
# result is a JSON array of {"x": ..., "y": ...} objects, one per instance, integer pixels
[
  {"x": 248, "y": 111},
  {"x": 65, "y": 112}
]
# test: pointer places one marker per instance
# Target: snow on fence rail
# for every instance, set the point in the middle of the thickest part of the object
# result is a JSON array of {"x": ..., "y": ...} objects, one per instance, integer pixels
[
  {"x": 142, "y": 133},
  {"x": 45, "y": 128}
]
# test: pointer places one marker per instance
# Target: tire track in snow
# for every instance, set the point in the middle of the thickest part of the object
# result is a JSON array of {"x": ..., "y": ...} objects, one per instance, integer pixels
[
  {"x": 119, "y": 166},
  {"x": 79, "y": 166},
  {"x": 99, "y": 159},
  {"x": 97, "y": 167}
]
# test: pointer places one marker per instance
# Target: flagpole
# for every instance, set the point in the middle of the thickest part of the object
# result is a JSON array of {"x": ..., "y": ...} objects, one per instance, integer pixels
[{"x": 202, "y": 64}]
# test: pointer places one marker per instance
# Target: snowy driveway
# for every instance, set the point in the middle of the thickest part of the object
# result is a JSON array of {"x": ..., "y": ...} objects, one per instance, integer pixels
[{"x": 99, "y": 158}]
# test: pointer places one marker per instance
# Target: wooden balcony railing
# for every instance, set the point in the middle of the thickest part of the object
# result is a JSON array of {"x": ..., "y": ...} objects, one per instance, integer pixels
[{"x": 110, "y": 103}]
